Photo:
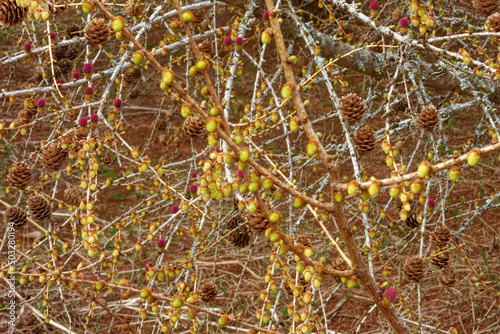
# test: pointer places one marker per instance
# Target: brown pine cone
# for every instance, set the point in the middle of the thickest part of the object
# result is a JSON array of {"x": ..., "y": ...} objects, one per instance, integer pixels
[
  {"x": 447, "y": 277},
  {"x": 198, "y": 17},
  {"x": 70, "y": 52},
  {"x": 134, "y": 8},
  {"x": 494, "y": 22},
  {"x": 235, "y": 222},
  {"x": 239, "y": 239},
  {"x": 66, "y": 65},
  {"x": 134, "y": 94},
  {"x": 257, "y": 221},
  {"x": 38, "y": 73},
  {"x": 97, "y": 32},
  {"x": 441, "y": 236},
  {"x": 352, "y": 107},
  {"x": 57, "y": 53},
  {"x": 306, "y": 242},
  {"x": 19, "y": 175},
  {"x": 26, "y": 116},
  {"x": 414, "y": 268},
  {"x": 53, "y": 156},
  {"x": 39, "y": 207},
  {"x": 208, "y": 292},
  {"x": 15, "y": 216},
  {"x": 412, "y": 221},
  {"x": 428, "y": 118},
  {"x": 206, "y": 48},
  {"x": 10, "y": 13},
  {"x": 365, "y": 139},
  {"x": 107, "y": 160},
  {"x": 441, "y": 259},
  {"x": 194, "y": 126},
  {"x": 401, "y": 106},
  {"x": 73, "y": 195},
  {"x": 73, "y": 30},
  {"x": 485, "y": 7}
]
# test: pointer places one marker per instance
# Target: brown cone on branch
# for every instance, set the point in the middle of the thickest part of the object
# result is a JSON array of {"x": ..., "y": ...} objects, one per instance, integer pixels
[
  {"x": 194, "y": 126},
  {"x": 15, "y": 216},
  {"x": 97, "y": 32},
  {"x": 134, "y": 8},
  {"x": 401, "y": 106},
  {"x": 365, "y": 139},
  {"x": 53, "y": 156},
  {"x": 302, "y": 240},
  {"x": 73, "y": 195},
  {"x": 70, "y": 52},
  {"x": 10, "y": 13},
  {"x": 208, "y": 292},
  {"x": 440, "y": 259},
  {"x": 412, "y": 221},
  {"x": 447, "y": 277},
  {"x": 339, "y": 264},
  {"x": 428, "y": 118},
  {"x": 414, "y": 268},
  {"x": 239, "y": 239},
  {"x": 73, "y": 29},
  {"x": 352, "y": 107},
  {"x": 19, "y": 175},
  {"x": 485, "y": 7},
  {"x": 66, "y": 65},
  {"x": 39, "y": 207},
  {"x": 257, "y": 221},
  {"x": 206, "y": 48},
  {"x": 198, "y": 17},
  {"x": 493, "y": 22},
  {"x": 441, "y": 236}
]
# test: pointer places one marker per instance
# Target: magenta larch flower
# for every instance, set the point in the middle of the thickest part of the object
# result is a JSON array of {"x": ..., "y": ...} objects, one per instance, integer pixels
[
  {"x": 174, "y": 209},
  {"x": 391, "y": 294},
  {"x": 404, "y": 23},
  {"x": 240, "y": 173},
  {"x": 193, "y": 188},
  {"x": 75, "y": 75},
  {"x": 265, "y": 16},
  {"x": 94, "y": 118},
  {"x": 87, "y": 68},
  {"x": 52, "y": 35},
  {"x": 194, "y": 175},
  {"x": 27, "y": 47},
  {"x": 374, "y": 5},
  {"x": 83, "y": 122},
  {"x": 161, "y": 243},
  {"x": 58, "y": 82},
  {"x": 227, "y": 41},
  {"x": 89, "y": 91},
  {"x": 431, "y": 203},
  {"x": 239, "y": 41},
  {"x": 117, "y": 103},
  {"x": 40, "y": 103},
  {"x": 148, "y": 265}
]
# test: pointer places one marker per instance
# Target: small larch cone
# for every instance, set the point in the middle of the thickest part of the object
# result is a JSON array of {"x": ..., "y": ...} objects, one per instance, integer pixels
[
  {"x": 134, "y": 8},
  {"x": 73, "y": 195},
  {"x": 194, "y": 126},
  {"x": 239, "y": 238},
  {"x": 19, "y": 175},
  {"x": 447, "y": 277},
  {"x": 206, "y": 48},
  {"x": 341, "y": 265},
  {"x": 66, "y": 65},
  {"x": 160, "y": 125},
  {"x": 53, "y": 156},
  {"x": 441, "y": 236},
  {"x": 10, "y": 13},
  {"x": 15, "y": 216},
  {"x": 414, "y": 269},
  {"x": 70, "y": 52},
  {"x": 494, "y": 22},
  {"x": 440, "y": 259},
  {"x": 97, "y": 32},
  {"x": 257, "y": 222},
  {"x": 208, "y": 292},
  {"x": 365, "y": 139},
  {"x": 235, "y": 222},
  {"x": 306, "y": 242},
  {"x": 401, "y": 106},
  {"x": 39, "y": 207},
  {"x": 412, "y": 221},
  {"x": 428, "y": 118},
  {"x": 73, "y": 29},
  {"x": 485, "y": 7},
  {"x": 352, "y": 107},
  {"x": 198, "y": 17}
]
